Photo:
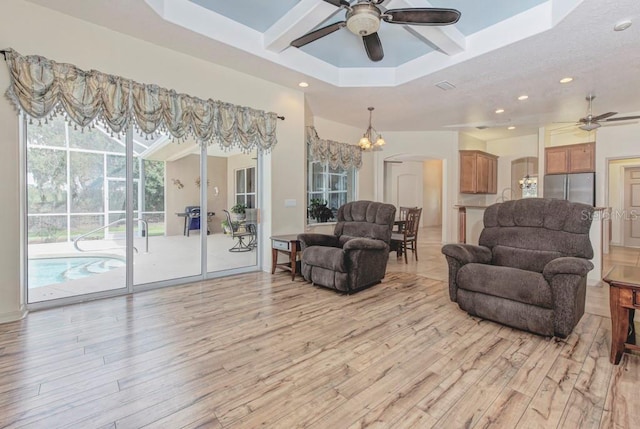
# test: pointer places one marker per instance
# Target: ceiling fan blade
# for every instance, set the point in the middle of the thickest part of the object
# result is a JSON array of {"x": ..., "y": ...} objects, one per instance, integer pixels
[
  {"x": 622, "y": 118},
  {"x": 603, "y": 116},
  {"x": 373, "y": 46},
  {"x": 422, "y": 16},
  {"x": 315, "y": 35},
  {"x": 338, "y": 3}
]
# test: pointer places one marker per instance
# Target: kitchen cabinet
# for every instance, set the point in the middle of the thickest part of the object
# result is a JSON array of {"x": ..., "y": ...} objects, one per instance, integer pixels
[
  {"x": 478, "y": 172},
  {"x": 576, "y": 158}
]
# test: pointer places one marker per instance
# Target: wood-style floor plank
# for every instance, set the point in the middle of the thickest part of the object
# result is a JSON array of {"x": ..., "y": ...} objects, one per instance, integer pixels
[{"x": 260, "y": 350}]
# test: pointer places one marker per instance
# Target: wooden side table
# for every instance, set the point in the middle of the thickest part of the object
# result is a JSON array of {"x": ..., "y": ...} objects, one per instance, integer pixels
[
  {"x": 289, "y": 245},
  {"x": 624, "y": 298}
]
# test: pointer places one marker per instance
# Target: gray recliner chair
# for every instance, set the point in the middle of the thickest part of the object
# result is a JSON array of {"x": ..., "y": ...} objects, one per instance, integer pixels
[
  {"x": 530, "y": 269},
  {"x": 356, "y": 255}
]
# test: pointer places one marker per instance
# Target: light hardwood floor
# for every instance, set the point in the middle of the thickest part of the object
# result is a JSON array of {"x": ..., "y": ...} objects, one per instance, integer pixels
[{"x": 258, "y": 350}]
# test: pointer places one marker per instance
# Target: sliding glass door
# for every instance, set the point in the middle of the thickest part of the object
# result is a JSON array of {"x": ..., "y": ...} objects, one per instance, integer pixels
[
  {"x": 108, "y": 214},
  {"x": 233, "y": 240},
  {"x": 76, "y": 232}
]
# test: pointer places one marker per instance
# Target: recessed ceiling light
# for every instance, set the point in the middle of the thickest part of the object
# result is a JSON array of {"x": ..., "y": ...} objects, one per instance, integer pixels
[
  {"x": 303, "y": 84},
  {"x": 566, "y": 80},
  {"x": 523, "y": 97},
  {"x": 499, "y": 110},
  {"x": 622, "y": 25},
  {"x": 511, "y": 127}
]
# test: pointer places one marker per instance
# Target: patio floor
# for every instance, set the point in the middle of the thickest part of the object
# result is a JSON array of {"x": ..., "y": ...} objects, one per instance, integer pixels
[{"x": 168, "y": 258}]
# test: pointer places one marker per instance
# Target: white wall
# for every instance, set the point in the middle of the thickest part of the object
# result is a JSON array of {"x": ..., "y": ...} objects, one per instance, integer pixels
[
  {"x": 31, "y": 29},
  {"x": 466, "y": 142},
  {"x": 432, "y": 199},
  {"x": 616, "y": 197},
  {"x": 621, "y": 141}
]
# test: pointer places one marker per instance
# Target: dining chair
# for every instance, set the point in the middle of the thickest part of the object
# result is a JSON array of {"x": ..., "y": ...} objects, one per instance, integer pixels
[
  {"x": 407, "y": 240},
  {"x": 402, "y": 218}
]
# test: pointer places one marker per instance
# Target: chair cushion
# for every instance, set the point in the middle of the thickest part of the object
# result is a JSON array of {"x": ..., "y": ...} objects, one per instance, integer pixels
[
  {"x": 331, "y": 258},
  {"x": 511, "y": 283},
  {"x": 525, "y": 259}
]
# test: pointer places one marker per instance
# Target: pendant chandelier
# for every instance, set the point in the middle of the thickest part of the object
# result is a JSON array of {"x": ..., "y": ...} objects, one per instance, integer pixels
[
  {"x": 528, "y": 182},
  {"x": 371, "y": 135}
]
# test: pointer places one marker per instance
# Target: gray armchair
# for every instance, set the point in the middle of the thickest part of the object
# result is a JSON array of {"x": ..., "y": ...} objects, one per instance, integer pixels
[
  {"x": 355, "y": 256},
  {"x": 530, "y": 269}
]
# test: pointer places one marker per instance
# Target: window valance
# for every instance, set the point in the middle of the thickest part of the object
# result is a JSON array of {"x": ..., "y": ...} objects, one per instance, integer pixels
[
  {"x": 338, "y": 155},
  {"x": 41, "y": 88}
]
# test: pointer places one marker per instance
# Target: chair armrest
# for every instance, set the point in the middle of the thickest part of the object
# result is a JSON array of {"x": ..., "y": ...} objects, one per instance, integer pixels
[
  {"x": 567, "y": 265},
  {"x": 308, "y": 240},
  {"x": 467, "y": 253},
  {"x": 364, "y": 244}
]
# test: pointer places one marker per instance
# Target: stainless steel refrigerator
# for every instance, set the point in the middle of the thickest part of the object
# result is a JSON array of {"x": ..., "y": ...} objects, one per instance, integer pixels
[{"x": 577, "y": 187}]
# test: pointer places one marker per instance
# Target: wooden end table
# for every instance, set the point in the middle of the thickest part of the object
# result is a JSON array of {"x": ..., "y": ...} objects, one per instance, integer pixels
[
  {"x": 289, "y": 245},
  {"x": 624, "y": 298}
]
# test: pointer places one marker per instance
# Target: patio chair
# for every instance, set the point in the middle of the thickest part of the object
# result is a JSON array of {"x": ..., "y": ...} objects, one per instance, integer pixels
[
  {"x": 236, "y": 234},
  {"x": 251, "y": 225}
]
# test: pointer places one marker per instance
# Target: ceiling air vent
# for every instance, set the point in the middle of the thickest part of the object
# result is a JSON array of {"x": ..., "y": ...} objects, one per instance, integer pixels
[{"x": 445, "y": 86}]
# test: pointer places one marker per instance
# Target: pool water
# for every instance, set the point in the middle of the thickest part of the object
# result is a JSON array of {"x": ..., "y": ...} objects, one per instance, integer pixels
[{"x": 48, "y": 271}]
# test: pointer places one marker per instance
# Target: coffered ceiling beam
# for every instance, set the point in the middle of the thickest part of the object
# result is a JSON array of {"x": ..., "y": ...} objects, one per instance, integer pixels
[
  {"x": 447, "y": 39},
  {"x": 301, "y": 19}
]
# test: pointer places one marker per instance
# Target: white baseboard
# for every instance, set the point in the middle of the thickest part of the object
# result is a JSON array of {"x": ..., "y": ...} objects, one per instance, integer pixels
[{"x": 14, "y": 315}]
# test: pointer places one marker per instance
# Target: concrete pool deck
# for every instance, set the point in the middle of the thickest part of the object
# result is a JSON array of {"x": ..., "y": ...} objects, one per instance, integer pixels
[{"x": 169, "y": 257}]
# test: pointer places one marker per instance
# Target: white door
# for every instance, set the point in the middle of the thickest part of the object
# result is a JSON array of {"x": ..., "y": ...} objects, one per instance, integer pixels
[
  {"x": 632, "y": 207},
  {"x": 404, "y": 184}
]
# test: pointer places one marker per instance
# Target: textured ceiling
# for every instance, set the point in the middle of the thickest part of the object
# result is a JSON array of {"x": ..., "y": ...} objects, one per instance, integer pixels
[{"x": 527, "y": 53}]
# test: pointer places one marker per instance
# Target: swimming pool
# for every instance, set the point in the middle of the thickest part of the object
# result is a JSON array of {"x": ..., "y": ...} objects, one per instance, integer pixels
[{"x": 48, "y": 271}]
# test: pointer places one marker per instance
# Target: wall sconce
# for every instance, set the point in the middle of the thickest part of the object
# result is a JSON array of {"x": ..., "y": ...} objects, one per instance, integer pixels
[
  {"x": 178, "y": 184},
  {"x": 198, "y": 182}
]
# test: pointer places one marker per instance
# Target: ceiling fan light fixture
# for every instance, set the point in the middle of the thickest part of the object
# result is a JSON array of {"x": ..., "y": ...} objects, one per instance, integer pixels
[
  {"x": 589, "y": 126},
  {"x": 363, "y": 19}
]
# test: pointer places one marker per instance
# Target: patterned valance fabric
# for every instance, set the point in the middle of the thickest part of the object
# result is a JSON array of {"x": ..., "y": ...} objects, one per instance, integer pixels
[
  {"x": 338, "y": 155},
  {"x": 41, "y": 88}
]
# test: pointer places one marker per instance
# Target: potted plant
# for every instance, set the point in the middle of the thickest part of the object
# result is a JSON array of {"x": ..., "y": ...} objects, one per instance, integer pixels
[
  {"x": 226, "y": 228},
  {"x": 319, "y": 211},
  {"x": 239, "y": 210}
]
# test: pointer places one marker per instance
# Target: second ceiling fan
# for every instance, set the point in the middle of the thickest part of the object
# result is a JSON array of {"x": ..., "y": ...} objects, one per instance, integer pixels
[
  {"x": 592, "y": 122},
  {"x": 363, "y": 19}
]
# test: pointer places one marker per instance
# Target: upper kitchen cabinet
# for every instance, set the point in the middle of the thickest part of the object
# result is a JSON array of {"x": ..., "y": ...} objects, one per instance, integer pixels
[
  {"x": 576, "y": 158},
  {"x": 478, "y": 172}
]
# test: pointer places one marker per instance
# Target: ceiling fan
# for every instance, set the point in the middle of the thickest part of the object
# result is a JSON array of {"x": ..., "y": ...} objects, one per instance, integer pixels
[
  {"x": 363, "y": 19},
  {"x": 591, "y": 122}
]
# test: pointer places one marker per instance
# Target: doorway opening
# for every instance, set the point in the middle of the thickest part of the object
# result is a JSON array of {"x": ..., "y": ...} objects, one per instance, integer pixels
[{"x": 417, "y": 181}]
